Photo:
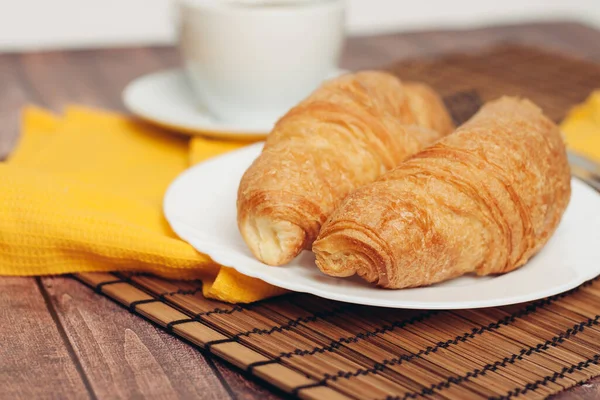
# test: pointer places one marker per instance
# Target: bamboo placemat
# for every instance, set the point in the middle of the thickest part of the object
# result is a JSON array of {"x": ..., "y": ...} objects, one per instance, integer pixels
[{"x": 319, "y": 349}]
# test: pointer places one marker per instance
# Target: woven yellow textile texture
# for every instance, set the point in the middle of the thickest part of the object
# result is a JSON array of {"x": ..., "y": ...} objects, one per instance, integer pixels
[
  {"x": 581, "y": 127},
  {"x": 83, "y": 192}
]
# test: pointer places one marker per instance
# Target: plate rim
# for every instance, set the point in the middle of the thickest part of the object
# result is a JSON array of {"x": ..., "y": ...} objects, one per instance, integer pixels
[
  {"x": 215, "y": 129},
  {"x": 180, "y": 228}
]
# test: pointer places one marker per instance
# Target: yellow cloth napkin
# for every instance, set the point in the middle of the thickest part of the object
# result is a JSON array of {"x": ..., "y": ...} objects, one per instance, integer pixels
[
  {"x": 83, "y": 192},
  {"x": 581, "y": 127}
]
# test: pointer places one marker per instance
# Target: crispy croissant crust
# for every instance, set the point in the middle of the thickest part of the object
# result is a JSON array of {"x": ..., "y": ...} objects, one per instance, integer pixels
[
  {"x": 345, "y": 134},
  {"x": 483, "y": 199}
]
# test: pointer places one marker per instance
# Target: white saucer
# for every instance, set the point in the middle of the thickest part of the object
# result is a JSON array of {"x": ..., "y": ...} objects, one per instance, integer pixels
[
  {"x": 200, "y": 206},
  {"x": 165, "y": 98}
]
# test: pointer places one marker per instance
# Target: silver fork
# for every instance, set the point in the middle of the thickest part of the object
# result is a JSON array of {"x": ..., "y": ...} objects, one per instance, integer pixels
[{"x": 585, "y": 169}]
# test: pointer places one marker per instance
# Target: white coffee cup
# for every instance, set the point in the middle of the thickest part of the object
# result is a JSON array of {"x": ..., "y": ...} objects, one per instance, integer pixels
[{"x": 250, "y": 61}]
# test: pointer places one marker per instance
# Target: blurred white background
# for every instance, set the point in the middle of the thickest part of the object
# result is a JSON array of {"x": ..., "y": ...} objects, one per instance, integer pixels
[{"x": 35, "y": 24}]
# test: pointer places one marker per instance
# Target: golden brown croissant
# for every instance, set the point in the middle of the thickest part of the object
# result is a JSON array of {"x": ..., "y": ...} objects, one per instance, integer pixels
[
  {"x": 346, "y": 134},
  {"x": 483, "y": 199}
]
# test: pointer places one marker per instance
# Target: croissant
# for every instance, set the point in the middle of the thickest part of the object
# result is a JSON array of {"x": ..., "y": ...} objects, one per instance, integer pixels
[
  {"x": 482, "y": 200},
  {"x": 345, "y": 134}
]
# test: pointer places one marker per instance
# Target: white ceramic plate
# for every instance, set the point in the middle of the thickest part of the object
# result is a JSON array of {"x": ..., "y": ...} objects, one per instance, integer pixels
[
  {"x": 200, "y": 206},
  {"x": 166, "y": 99}
]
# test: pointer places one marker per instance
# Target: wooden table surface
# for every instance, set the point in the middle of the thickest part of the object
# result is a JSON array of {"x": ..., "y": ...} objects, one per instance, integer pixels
[{"x": 61, "y": 340}]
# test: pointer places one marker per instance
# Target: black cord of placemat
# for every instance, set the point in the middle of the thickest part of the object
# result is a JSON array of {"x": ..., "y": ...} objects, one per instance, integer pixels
[
  {"x": 134, "y": 304},
  {"x": 255, "y": 364},
  {"x": 208, "y": 345},
  {"x": 171, "y": 324}
]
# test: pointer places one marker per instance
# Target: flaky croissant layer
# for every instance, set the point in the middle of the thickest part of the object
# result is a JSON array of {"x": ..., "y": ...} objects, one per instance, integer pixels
[
  {"x": 346, "y": 134},
  {"x": 483, "y": 199}
]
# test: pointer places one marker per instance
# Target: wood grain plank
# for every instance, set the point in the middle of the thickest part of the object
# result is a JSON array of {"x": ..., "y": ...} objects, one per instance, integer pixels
[
  {"x": 34, "y": 359},
  {"x": 246, "y": 387},
  {"x": 577, "y": 39},
  {"x": 370, "y": 52},
  {"x": 168, "y": 55},
  {"x": 13, "y": 96},
  {"x": 115, "y": 68},
  {"x": 62, "y": 78},
  {"x": 125, "y": 357},
  {"x": 32, "y": 349},
  {"x": 106, "y": 336},
  {"x": 587, "y": 391}
]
